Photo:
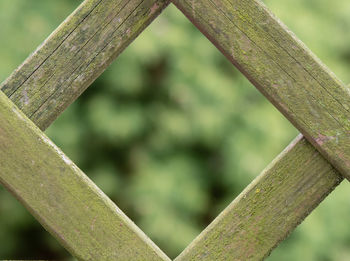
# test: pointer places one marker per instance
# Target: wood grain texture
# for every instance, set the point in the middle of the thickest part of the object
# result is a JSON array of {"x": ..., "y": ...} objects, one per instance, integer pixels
[
  {"x": 65, "y": 201},
  {"x": 84, "y": 45},
  {"x": 282, "y": 68},
  {"x": 79, "y": 50},
  {"x": 269, "y": 208},
  {"x": 59, "y": 195}
]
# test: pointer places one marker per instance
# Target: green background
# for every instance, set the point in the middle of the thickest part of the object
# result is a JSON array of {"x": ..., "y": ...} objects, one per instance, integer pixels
[{"x": 172, "y": 132}]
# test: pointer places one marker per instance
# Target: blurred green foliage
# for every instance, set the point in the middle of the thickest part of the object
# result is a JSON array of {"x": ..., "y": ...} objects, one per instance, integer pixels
[{"x": 172, "y": 132}]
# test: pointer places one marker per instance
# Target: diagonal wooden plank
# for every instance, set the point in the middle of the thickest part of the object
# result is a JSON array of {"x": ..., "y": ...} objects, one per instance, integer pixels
[
  {"x": 282, "y": 68},
  {"x": 269, "y": 208},
  {"x": 65, "y": 201},
  {"x": 73, "y": 56},
  {"x": 258, "y": 231}
]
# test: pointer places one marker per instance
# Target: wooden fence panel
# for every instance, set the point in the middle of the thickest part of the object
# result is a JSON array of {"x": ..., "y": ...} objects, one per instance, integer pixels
[
  {"x": 84, "y": 220},
  {"x": 282, "y": 68}
]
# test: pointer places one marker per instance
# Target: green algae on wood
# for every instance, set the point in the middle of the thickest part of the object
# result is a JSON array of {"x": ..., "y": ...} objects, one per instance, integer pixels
[
  {"x": 43, "y": 86},
  {"x": 86, "y": 43},
  {"x": 75, "y": 54},
  {"x": 282, "y": 68},
  {"x": 62, "y": 198},
  {"x": 272, "y": 58},
  {"x": 269, "y": 208}
]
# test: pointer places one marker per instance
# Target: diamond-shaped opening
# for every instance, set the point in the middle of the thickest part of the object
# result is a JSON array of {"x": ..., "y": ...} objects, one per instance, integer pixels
[
  {"x": 172, "y": 132},
  {"x": 178, "y": 140},
  {"x": 164, "y": 156}
]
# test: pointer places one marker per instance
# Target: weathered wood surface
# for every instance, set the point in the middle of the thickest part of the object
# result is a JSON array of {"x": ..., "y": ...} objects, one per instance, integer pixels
[
  {"x": 79, "y": 50},
  {"x": 65, "y": 201},
  {"x": 43, "y": 86},
  {"x": 269, "y": 208},
  {"x": 282, "y": 68},
  {"x": 76, "y": 53}
]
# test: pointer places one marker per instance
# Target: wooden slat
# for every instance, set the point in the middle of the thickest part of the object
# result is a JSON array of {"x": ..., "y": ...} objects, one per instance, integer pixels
[
  {"x": 78, "y": 51},
  {"x": 282, "y": 68},
  {"x": 86, "y": 222},
  {"x": 65, "y": 201},
  {"x": 269, "y": 208},
  {"x": 298, "y": 180},
  {"x": 23, "y": 98}
]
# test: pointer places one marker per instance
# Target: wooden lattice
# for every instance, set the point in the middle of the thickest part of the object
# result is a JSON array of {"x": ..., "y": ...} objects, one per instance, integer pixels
[{"x": 84, "y": 220}]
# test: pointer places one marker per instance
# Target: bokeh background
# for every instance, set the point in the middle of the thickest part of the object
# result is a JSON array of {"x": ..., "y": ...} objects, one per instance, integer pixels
[{"x": 172, "y": 132}]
